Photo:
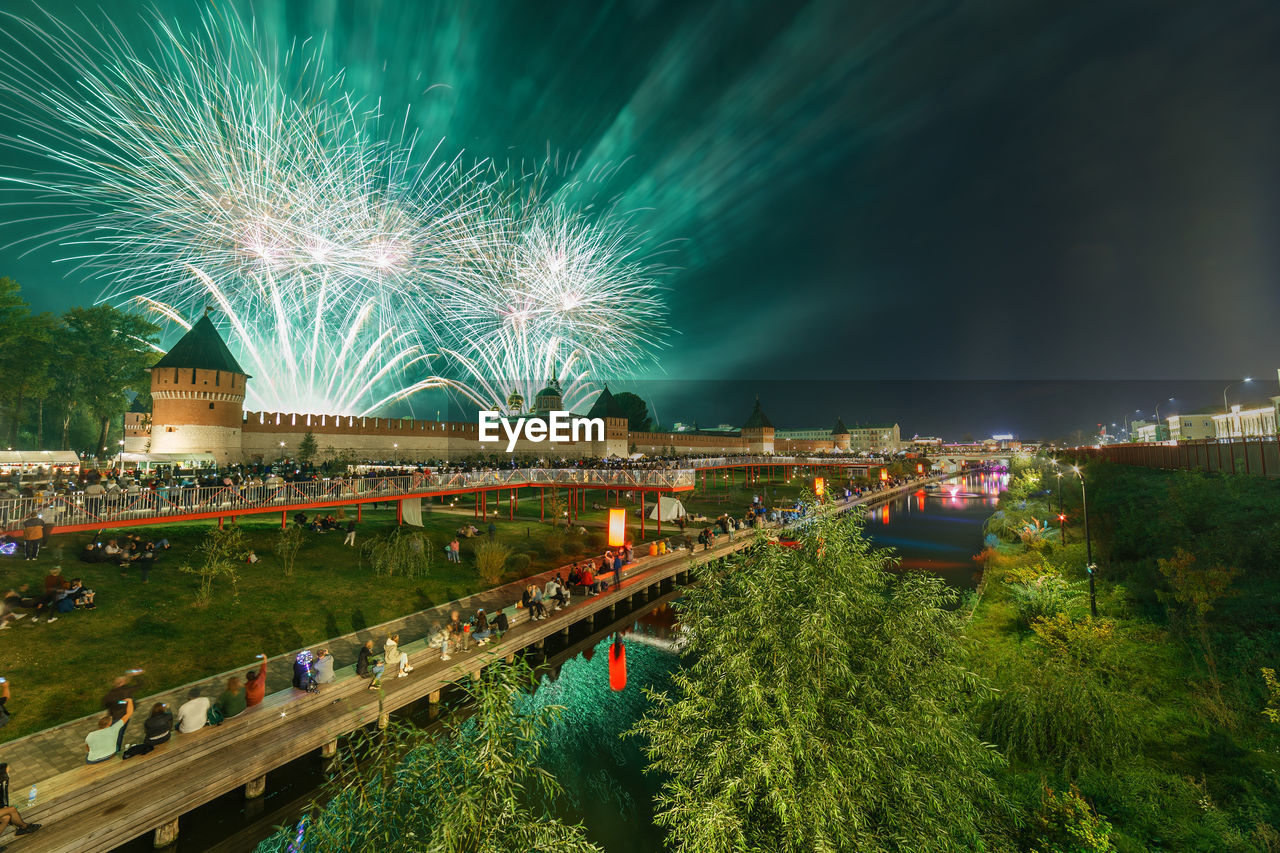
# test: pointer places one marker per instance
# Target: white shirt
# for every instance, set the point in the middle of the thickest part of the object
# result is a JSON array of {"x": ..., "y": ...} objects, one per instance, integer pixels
[{"x": 192, "y": 714}]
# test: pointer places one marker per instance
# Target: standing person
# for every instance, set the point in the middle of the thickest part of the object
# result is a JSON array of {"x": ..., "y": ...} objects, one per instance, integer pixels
[
  {"x": 32, "y": 535},
  {"x": 457, "y": 633},
  {"x": 454, "y": 551},
  {"x": 493, "y": 531},
  {"x": 350, "y": 538},
  {"x": 4, "y": 701},
  {"x": 8, "y": 814},
  {"x": 104, "y": 742},
  {"x": 193, "y": 713},
  {"x": 255, "y": 684}
]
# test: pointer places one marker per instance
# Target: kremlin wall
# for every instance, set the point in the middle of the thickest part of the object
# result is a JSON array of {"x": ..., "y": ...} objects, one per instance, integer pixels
[{"x": 198, "y": 392}]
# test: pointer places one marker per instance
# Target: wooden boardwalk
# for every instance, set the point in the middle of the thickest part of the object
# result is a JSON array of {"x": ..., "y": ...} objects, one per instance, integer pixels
[{"x": 88, "y": 808}]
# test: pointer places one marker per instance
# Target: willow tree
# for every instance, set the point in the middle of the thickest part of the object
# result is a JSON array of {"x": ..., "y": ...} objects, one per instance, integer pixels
[
  {"x": 476, "y": 787},
  {"x": 820, "y": 708}
]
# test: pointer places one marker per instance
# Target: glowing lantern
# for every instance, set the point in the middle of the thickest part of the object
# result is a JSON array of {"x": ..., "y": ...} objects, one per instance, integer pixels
[
  {"x": 617, "y": 526},
  {"x": 819, "y": 486},
  {"x": 919, "y": 467},
  {"x": 884, "y": 474},
  {"x": 618, "y": 665}
]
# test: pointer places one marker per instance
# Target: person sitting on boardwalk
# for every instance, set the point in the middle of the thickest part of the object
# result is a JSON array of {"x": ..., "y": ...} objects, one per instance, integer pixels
[
  {"x": 458, "y": 633},
  {"x": 396, "y": 659},
  {"x": 233, "y": 701},
  {"x": 553, "y": 592},
  {"x": 255, "y": 683},
  {"x": 8, "y": 814},
  {"x": 193, "y": 713},
  {"x": 322, "y": 668},
  {"x": 589, "y": 580},
  {"x": 104, "y": 743},
  {"x": 482, "y": 631},
  {"x": 532, "y": 601},
  {"x": 367, "y": 666},
  {"x": 158, "y": 728}
]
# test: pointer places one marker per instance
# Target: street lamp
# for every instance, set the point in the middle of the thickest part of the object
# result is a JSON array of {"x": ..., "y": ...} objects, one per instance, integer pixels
[
  {"x": 1226, "y": 408},
  {"x": 1088, "y": 543},
  {"x": 397, "y": 449},
  {"x": 1170, "y": 400}
]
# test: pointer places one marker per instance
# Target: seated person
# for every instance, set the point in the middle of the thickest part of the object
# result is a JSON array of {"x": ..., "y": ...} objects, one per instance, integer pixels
[
  {"x": 481, "y": 629},
  {"x": 251, "y": 557},
  {"x": 531, "y": 600},
  {"x": 233, "y": 701},
  {"x": 500, "y": 624},
  {"x": 157, "y": 730},
  {"x": 104, "y": 743},
  {"x": 80, "y": 596},
  {"x": 91, "y": 553},
  {"x": 193, "y": 713},
  {"x": 322, "y": 667},
  {"x": 111, "y": 549}
]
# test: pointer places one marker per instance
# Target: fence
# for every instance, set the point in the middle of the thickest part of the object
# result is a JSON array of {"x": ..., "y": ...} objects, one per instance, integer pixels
[{"x": 1251, "y": 455}]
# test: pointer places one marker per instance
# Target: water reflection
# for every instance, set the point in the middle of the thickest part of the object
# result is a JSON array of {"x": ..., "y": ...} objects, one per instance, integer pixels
[{"x": 939, "y": 527}]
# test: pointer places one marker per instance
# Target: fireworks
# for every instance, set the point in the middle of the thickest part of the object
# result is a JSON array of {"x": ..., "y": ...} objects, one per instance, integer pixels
[{"x": 349, "y": 270}]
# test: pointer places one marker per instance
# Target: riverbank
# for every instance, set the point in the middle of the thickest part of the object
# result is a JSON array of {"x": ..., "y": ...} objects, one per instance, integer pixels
[{"x": 1142, "y": 728}]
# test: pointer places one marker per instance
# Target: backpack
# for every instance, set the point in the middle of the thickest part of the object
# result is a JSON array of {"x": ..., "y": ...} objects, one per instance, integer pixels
[{"x": 214, "y": 716}]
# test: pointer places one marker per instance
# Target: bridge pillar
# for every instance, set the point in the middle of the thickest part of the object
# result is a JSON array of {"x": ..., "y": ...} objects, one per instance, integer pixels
[
  {"x": 255, "y": 788},
  {"x": 384, "y": 720},
  {"x": 433, "y": 698},
  {"x": 165, "y": 835},
  {"x": 329, "y": 750},
  {"x": 511, "y": 658},
  {"x": 564, "y": 632}
]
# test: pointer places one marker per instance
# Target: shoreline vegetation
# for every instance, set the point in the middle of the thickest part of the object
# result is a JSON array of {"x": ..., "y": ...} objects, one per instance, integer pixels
[{"x": 824, "y": 702}]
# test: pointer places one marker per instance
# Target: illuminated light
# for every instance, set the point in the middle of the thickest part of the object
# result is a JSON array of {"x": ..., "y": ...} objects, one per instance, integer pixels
[
  {"x": 617, "y": 526},
  {"x": 884, "y": 517},
  {"x": 884, "y": 474},
  {"x": 819, "y": 486}
]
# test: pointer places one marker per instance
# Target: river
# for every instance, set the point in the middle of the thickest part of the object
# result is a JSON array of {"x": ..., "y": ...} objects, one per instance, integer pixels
[{"x": 938, "y": 529}]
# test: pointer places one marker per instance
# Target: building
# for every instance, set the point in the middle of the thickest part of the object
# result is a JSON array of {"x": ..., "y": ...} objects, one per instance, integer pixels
[
  {"x": 198, "y": 392},
  {"x": 1247, "y": 420},
  {"x": 1193, "y": 426},
  {"x": 1149, "y": 431}
]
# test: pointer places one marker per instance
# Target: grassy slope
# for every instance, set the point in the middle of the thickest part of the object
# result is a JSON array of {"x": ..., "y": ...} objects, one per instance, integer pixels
[{"x": 1204, "y": 777}]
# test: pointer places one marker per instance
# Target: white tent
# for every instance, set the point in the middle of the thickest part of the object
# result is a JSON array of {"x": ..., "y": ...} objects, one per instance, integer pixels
[{"x": 667, "y": 509}]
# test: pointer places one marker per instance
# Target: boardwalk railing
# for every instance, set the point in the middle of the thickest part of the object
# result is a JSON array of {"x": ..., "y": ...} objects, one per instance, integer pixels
[{"x": 1251, "y": 455}]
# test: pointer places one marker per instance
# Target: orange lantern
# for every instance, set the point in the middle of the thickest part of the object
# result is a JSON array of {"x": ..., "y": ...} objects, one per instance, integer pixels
[
  {"x": 919, "y": 467},
  {"x": 884, "y": 474},
  {"x": 819, "y": 486},
  {"x": 617, "y": 526}
]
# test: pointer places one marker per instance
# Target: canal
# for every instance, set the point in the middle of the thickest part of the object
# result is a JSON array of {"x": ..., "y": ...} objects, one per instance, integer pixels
[{"x": 936, "y": 528}]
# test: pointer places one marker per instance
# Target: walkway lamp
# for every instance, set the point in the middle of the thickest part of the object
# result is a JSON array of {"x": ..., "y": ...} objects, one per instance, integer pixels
[
  {"x": 1225, "y": 407},
  {"x": 1088, "y": 543},
  {"x": 618, "y": 526}
]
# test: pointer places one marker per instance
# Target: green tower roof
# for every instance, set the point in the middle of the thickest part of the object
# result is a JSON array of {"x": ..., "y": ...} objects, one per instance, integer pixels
[
  {"x": 605, "y": 406},
  {"x": 203, "y": 348},
  {"x": 757, "y": 419},
  {"x": 840, "y": 428}
]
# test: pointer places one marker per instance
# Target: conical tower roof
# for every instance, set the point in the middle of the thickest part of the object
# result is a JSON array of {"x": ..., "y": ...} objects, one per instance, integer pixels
[
  {"x": 202, "y": 348},
  {"x": 758, "y": 420}
]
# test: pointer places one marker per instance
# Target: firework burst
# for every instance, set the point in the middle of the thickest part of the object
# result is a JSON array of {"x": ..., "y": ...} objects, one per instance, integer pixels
[{"x": 350, "y": 269}]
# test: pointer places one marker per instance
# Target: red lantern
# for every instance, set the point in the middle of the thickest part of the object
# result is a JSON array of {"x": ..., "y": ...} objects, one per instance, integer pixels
[
  {"x": 884, "y": 474},
  {"x": 819, "y": 487},
  {"x": 618, "y": 665}
]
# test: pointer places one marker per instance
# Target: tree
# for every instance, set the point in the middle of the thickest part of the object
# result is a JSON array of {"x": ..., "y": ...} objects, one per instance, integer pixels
[
  {"x": 400, "y": 553},
  {"x": 820, "y": 708},
  {"x": 112, "y": 350},
  {"x": 307, "y": 448},
  {"x": 220, "y": 555},
  {"x": 28, "y": 363},
  {"x": 491, "y": 557},
  {"x": 288, "y": 544},
  {"x": 1196, "y": 591},
  {"x": 636, "y": 411},
  {"x": 476, "y": 787}
]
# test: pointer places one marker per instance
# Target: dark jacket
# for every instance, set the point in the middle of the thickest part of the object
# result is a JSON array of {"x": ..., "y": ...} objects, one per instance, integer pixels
[
  {"x": 158, "y": 727},
  {"x": 363, "y": 661}
]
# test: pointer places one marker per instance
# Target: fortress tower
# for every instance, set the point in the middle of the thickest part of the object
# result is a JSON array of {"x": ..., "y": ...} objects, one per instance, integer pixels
[
  {"x": 757, "y": 432},
  {"x": 197, "y": 397},
  {"x": 840, "y": 436}
]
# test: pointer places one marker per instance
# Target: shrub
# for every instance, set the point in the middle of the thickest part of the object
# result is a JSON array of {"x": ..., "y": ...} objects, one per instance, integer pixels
[
  {"x": 1058, "y": 715},
  {"x": 553, "y": 541},
  {"x": 1043, "y": 598},
  {"x": 594, "y": 541},
  {"x": 399, "y": 553},
  {"x": 491, "y": 556},
  {"x": 518, "y": 563},
  {"x": 572, "y": 549},
  {"x": 1065, "y": 823}
]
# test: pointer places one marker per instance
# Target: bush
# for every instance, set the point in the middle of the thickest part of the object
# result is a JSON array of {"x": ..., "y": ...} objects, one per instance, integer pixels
[
  {"x": 572, "y": 549},
  {"x": 1058, "y": 715},
  {"x": 518, "y": 563},
  {"x": 1043, "y": 598},
  {"x": 1065, "y": 823},
  {"x": 491, "y": 556},
  {"x": 594, "y": 541},
  {"x": 399, "y": 553}
]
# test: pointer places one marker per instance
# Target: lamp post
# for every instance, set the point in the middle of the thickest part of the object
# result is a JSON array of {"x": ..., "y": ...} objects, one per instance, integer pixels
[
  {"x": 397, "y": 450},
  {"x": 282, "y": 451},
  {"x": 1170, "y": 400},
  {"x": 1226, "y": 409},
  {"x": 1088, "y": 543}
]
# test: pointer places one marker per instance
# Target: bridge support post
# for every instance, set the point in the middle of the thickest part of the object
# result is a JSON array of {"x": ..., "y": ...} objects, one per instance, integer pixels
[
  {"x": 255, "y": 788},
  {"x": 511, "y": 658},
  {"x": 359, "y": 508},
  {"x": 433, "y": 698},
  {"x": 165, "y": 835},
  {"x": 564, "y": 633},
  {"x": 284, "y": 519},
  {"x": 399, "y": 513},
  {"x": 384, "y": 720},
  {"x": 329, "y": 750}
]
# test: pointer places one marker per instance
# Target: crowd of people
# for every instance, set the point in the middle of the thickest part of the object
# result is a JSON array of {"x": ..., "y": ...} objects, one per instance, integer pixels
[{"x": 59, "y": 596}]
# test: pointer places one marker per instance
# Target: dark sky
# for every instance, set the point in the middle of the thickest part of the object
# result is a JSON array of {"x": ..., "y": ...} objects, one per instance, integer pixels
[{"x": 1022, "y": 190}]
